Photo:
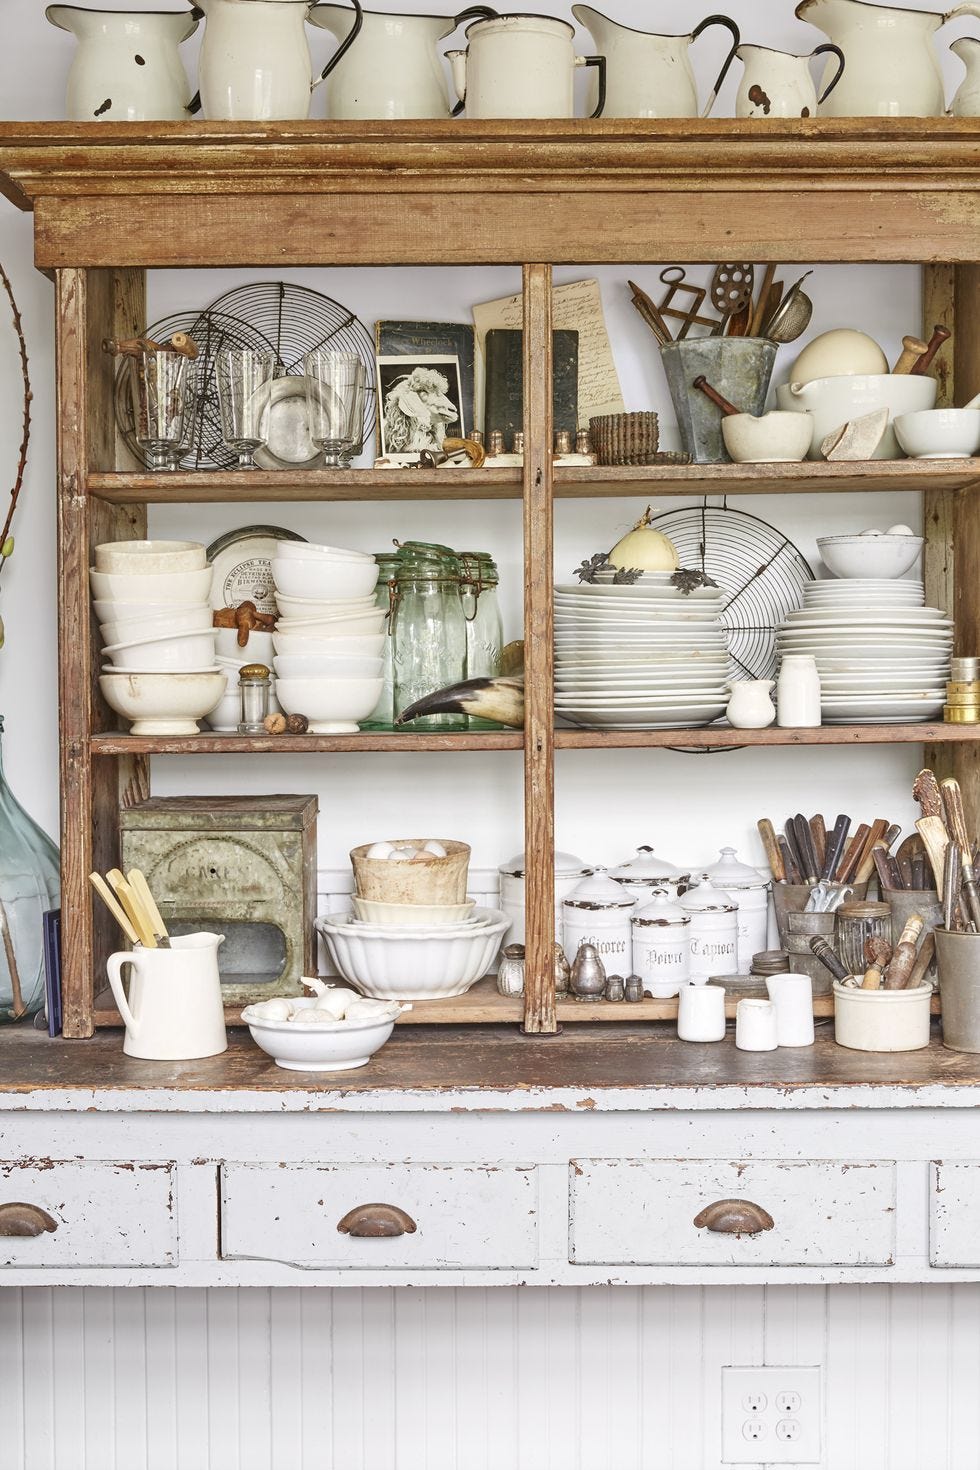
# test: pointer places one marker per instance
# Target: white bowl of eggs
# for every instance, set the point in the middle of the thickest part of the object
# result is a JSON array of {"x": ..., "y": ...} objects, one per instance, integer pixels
[
  {"x": 333, "y": 1031},
  {"x": 877, "y": 554}
]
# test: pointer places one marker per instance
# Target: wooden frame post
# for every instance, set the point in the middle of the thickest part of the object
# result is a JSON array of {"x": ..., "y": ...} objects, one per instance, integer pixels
[{"x": 539, "y": 693}]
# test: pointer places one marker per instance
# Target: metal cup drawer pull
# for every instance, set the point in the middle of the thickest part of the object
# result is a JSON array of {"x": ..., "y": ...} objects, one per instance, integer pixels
[
  {"x": 734, "y": 1217},
  {"x": 375, "y": 1221},
  {"x": 17, "y": 1218}
]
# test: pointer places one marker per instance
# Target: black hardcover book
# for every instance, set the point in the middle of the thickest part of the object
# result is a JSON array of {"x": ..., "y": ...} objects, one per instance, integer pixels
[
  {"x": 51, "y": 938},
  {"x": 504, "y": 408},
  {"x": 433, "y": 339}
]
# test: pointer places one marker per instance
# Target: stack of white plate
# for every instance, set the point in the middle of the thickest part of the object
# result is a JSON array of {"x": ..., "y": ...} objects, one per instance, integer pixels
[
  {"x": 883, "y": 658},
  {"x": 642, "y": 657}
]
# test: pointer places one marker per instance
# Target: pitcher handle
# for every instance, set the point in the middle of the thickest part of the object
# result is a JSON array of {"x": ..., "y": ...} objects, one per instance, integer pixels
[
  {"x": 962, "y": 10},
  {"x": 719, "y": 20},
  {"x": 344, "y": 46},
  {"x": 114, "y": 966},
  {"x": 820, "y": 51},
  {"x": 599, "y": 62},
  {"x": 472, "y": 12}
]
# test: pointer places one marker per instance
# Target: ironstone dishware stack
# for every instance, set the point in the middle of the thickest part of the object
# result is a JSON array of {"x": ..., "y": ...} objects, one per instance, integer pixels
[
  {"x": 644, "y": 656},
  {"x": 882, "y": 656}
]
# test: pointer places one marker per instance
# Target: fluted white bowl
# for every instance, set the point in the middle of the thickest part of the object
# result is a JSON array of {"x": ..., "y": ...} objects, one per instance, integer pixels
[{"x": 412, "y": 965}]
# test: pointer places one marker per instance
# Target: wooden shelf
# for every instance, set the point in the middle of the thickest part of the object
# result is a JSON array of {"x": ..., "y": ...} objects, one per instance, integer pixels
[
  {"x": 726, "y": 739},
  {"x": 578, "y": 482},
  {"x": 112, "y": 744}
]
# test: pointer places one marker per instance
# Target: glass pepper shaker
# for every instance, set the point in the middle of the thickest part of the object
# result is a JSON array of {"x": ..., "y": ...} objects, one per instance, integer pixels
[{"x": 255, "y": 684}]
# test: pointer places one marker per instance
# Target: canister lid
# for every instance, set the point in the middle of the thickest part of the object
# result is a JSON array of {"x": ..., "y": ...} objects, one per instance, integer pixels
[
  {"x": 864, "y": 910},
  {"x": 660, "y": 911},
  {"x": 645, "y": 865},
  {"x": 599, "y": 892},
  {"x": 704, "y": 898},
  {"x": 728, "y": 872},
  {"x": 567, "y": 865}
]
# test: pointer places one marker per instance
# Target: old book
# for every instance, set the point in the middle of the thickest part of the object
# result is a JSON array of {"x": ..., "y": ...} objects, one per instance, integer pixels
[
  {"x": 428, "y": 339},
  {"x": 505, "y": 381}
]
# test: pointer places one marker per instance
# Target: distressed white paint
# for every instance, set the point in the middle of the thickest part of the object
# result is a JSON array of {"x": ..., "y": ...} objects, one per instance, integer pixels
[
  {"x": 106, "y": 1214},
  {"x": 954, "y": 1222}
]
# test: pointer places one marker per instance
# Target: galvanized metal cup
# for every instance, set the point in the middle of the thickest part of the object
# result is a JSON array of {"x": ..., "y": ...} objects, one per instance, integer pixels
[
  {"x": 740, "y": 368},
  {"x": 958, "y": 956}
]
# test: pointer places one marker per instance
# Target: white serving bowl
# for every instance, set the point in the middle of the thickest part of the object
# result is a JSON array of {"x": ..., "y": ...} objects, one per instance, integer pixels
[
  {"x": 194, "y": 619},
  {"x": 940, "y": 433},
  {"x": 162, "y": 588},
  {"x": 163, "y": 704},
  {"x": 358, "y": 623},
  {"x": 775, "y": 438},
  {"x": 150, "y": 556},
  {"x": 870, "y": 556},
  {"x": 322, "y": 666},
  {"x": 332, "y": 706},
  {"x": 310, "y": 551},
  {"x": 833, "y": 402},
  {"x": 319, "y": 577},
  {"x": 181, "y": 652},
  {"x": 413, "y": 915},
  {"x": 311, "y": 645},
  {"x": 337, "y": 1046},
  {"x": 258, "y": 649},
  {"x": 113, "y": 610},
  {"x": 410, "y": 966},
  {"x": 323, "y": 607}
]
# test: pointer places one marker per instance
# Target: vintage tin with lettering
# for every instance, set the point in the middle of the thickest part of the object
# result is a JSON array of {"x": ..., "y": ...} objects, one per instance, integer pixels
[
  {"x": 598, "y": 912},
  {"x": 714, "y": 931},
  {"x": 662, "y": 946}
]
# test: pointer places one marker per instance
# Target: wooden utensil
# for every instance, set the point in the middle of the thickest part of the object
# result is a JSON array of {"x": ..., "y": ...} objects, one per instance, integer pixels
[
  {"x": 762, "y": 304},
  {"x": 650, "y": 312},
  {"x": 789, "y": 833},
  {"x": 852, "y": 854},
  {"x": 933, "y": 832},
  {"x": 892, "y": 834},
  {"x": 731, "y": 290},
  {"x": 835, "y": 846},
  {"x": 940, "y": 335},
  {"x": 903, "y": 956},
  {"x": 909, "y": 850},
  {"x": 956, "y": 825},
  {"x": 828, "y": 957},
  {"x": 866, "y": 863},
  {"x": 805, "y": 848},
  {"x": 112, "y": 904},
  {"x": 877, "y": 954},
  {"x": 137, "y": 881},
  {"x": 924, "y": 959},
  {"x": 790, "y": 868},
  {"x": 768, "y": 834},
  {"x": 950, "y": 886},
  {"x": 912, "y": 349},
  {"x": 818, "y": 831},
  {"x": 925, "y": 790},
  {"x": 739, "y": 321},
  {"x": 889, "y": 873},
  {"x": 134, "y": 908}
]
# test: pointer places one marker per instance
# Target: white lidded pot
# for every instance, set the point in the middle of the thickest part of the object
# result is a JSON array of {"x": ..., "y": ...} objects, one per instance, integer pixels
[
  {"x": 649, "y": 75},
  {"x": 569, "y": 872},
  {"x": 646, "y": 874},
  {"x": 598, "y": 912},
  {"x": 662, "y": 946},
  {"x": 127, "y": 67},
  {"x": 521, "y": 66},
  {"x": 751, "y": 890},
  {"x": 714, "y": 931}
]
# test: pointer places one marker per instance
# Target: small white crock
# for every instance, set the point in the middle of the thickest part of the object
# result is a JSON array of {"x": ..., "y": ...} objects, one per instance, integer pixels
[
  {"x": 792, "y": 995},
  {"x": 755, "y": 1025},
  {"x": 714, "y": 931},
  {"x": 701, "y": 1013}
]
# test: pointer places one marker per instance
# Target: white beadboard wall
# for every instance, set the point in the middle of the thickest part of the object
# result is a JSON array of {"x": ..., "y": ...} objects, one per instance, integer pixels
[{"x": 441, "y": 1379}]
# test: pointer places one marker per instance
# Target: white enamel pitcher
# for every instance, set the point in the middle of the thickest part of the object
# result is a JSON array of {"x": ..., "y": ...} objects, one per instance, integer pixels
[
  {"x": 174, "y": 1011},
  {"x": 892, "y": 67},
  {"x": 127, "y": 67},
  {"x": 521, "y": 66},
  {"x": 396, "y": 69},
  {"x": 778, "y": 84},
  {"x": 255, "y": 59},
  {"x": 649, "y": 75},
  {"x": 966, "y": 103}
]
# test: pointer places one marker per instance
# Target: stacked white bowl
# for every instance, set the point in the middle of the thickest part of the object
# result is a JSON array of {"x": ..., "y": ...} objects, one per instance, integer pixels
[
  {"x": 330, "y": 635},
  {"x": 151, "y": 602}
]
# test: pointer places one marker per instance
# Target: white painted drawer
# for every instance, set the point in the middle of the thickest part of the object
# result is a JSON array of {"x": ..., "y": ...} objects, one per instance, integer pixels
[
  {"x": 642, "y": 1212},
  {"x": 954, "y": 1224},
  {"x": 465, "y": 1215},
  {"x": 105, "y": 1213}
]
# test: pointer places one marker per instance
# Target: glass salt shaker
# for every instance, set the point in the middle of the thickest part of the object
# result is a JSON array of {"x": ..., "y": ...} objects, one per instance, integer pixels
[{"x": 255, "y": 684}]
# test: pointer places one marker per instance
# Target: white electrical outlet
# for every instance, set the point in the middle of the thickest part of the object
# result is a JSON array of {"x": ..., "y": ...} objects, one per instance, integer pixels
[{"x": 770, "y": 1416}]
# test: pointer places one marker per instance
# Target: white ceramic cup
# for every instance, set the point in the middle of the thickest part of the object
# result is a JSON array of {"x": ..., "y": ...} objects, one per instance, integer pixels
[
  {"x": 701, "y": 1013},
  {"x": 755, "y": 1025},
  {"x": 792, "y": 995},
  {"x": 174, "y": 1011}
]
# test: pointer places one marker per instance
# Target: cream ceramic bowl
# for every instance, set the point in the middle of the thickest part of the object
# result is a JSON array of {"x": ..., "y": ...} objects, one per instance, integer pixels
[
  {"x": 162, "y": 588},
  {"x": 194, "y": 619},
  {"x": 321, "y": 666},
  {"x": 775, "y": 438},
  {"x": 227, "y": 713},
  {"x": 337, "y": 1046},
  {"x": 310, "y": 551},
  {"x": 870, "y": 556},
  {"x": 332, "y": 706},
  {"x": 405, "y": 966},
  {"x": 319, "y": 578},
  {"x": 833, "y": 402},
  {"x": 112, "y": 610},
  {"x": 150, "y": 556},
  {"x": 258, "y": 649},
  {"x": 323, "y": 607},
  {"x": 308, "y": 645},
  {"x": 412, "y": 915},
  {"x": 940, "y": 433},
  {"x": 163, "y": 704},
  {"x": 357, "y": 623},
  {"x": 181, "y": 652}
]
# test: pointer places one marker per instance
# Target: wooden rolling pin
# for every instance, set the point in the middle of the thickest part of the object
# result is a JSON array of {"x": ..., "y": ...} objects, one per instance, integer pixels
[
  {"x": 912, "y": 349},
  {"x": 939, "y": 336}
]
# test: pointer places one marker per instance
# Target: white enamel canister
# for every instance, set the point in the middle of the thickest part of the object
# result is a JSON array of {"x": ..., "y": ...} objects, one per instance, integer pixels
[
  {"x": 646, "y": 874},
  {"x": 714, "y": 931},
  {"x": 598, "y": 912},
  {"x": 569, "y": 872},
  {"x": 751, "y": 891},
  {"x": 661, "y": 946}
]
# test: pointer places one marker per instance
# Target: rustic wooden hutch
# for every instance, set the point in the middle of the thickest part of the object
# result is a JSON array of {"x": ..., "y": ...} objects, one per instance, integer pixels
[{"x": 111, "y": 201}]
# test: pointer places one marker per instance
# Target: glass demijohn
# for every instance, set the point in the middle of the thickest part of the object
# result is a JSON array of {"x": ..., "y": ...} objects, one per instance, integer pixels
[{"x": 29, "y": 886}]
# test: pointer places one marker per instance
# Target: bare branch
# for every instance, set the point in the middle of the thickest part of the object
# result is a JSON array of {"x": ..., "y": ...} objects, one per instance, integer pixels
[{"x": 28, "y": 398}]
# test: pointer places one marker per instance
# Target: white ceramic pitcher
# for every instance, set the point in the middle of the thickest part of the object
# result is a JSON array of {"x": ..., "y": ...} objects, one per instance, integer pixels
[
  {"x": 892, "y": 67},
  {"x": 778, "y": 84},
  {"x": 174, "y": 1012},
  {"x": 521, "y": 66},
  {"x": 255, "y": 59},
  {"x": 966, "y": 103},
  {"x": 395, "y": 70},
  {"x": 127, "y": 67},
  {"x": 649, "y": 75}
]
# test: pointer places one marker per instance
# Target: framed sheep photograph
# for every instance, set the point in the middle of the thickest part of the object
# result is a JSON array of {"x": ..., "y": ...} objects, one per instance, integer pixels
[{"x": 420, "y": 403}]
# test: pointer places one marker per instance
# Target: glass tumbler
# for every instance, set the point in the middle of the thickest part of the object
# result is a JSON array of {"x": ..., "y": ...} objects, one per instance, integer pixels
[
  {"x": 244, "y": 376},
  {"x": 163, "y": 385},
  {"x": 336, "y": 387}
]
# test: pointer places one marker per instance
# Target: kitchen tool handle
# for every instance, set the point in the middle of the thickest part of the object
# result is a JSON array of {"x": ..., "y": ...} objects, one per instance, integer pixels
[
  {"x": 925, "y": 789},
  {"x": 734, "y": 1217},
  {"x": 20, "y": 1219},
  {"x": 599, "y": 62},
  {"x": 375, "y": 1222},
  {"x": 818, "y": 831},
  {"x": 835, "y": 51},
  {"x": 728, "y": 409},
  {"x": 940, "y": 335},
  {"x": 790, "y": 864},
  {"x": 865, "y": 864},
  {"x": 761, "y": 311},
  {"x": 768, "y": 834},
  {"x": 851, "y": 858},
  {"x": 973, "y": 10},
  {"x": 114, "y": 966},
  {"x": 344, "y": 46},
  {"x": 807, "y": 850},
  {"x": 719, "y": 20},
  {"x": 112, "y": 904},
  {"x": 924, "y": 959},
  {"x": 835, "y": 846},
  {"x": 912, "y": 350},
  {"x": 137, "y": 881},
  {"x": 828, "y": 957}
]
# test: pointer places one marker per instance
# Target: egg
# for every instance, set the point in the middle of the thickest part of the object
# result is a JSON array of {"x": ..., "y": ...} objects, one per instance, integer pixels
[
  {"x": 365, "y": 1009},
  {"x": 434, "y": 849},
  {"x": 402, "y": 855},
  {"x": 871, "y": 533},
  {"x": 336, "y": 1000},
  {"x": 277, "y": 1009},
  {"x": 314, "y": 1018},
  {"x": 899, "y": 531},
  {"x": 380, "y": 850}
]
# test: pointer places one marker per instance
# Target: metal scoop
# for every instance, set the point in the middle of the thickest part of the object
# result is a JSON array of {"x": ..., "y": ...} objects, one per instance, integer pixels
[{"x": 792, "y": 316}]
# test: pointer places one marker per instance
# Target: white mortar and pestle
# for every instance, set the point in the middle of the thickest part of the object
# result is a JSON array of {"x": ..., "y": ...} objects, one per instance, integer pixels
[{"x": 777, "y": 437}]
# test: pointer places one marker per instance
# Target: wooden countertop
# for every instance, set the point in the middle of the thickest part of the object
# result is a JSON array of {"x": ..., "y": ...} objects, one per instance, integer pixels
[{"x": 475, "y": 1069}]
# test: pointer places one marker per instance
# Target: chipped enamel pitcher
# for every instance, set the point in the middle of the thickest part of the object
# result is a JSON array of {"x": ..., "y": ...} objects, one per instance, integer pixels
[
  {"x": 127, "y": 67},
  {"x": 649, "y": 75}
]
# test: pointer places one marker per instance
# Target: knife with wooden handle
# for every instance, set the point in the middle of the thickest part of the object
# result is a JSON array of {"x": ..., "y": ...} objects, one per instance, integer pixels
[
  {"x": 933, "y": 832},
  {"x": 925, "y": 789},
  {"x": 956, "y": 825},
  {"x": 852, "y": 854},
  {"x": 793, "y": 874},
  {"x": 818, "y": 831},
  {"x": 889, "y": 873},
  {"x": 768, "y": 834},
  {"x": 789, "y": 837},
  {"x": 866, "y": 863},
  {"x": 835, "y": 846},
  {"x": 805, "y": 847}
]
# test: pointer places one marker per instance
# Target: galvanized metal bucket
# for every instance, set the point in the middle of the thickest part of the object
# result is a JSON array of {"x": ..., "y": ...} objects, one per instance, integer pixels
[
  {"x": 904, "y": 902},
  {"x": 740, "y": 368},
  {"x": 959, "y": 986}
]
